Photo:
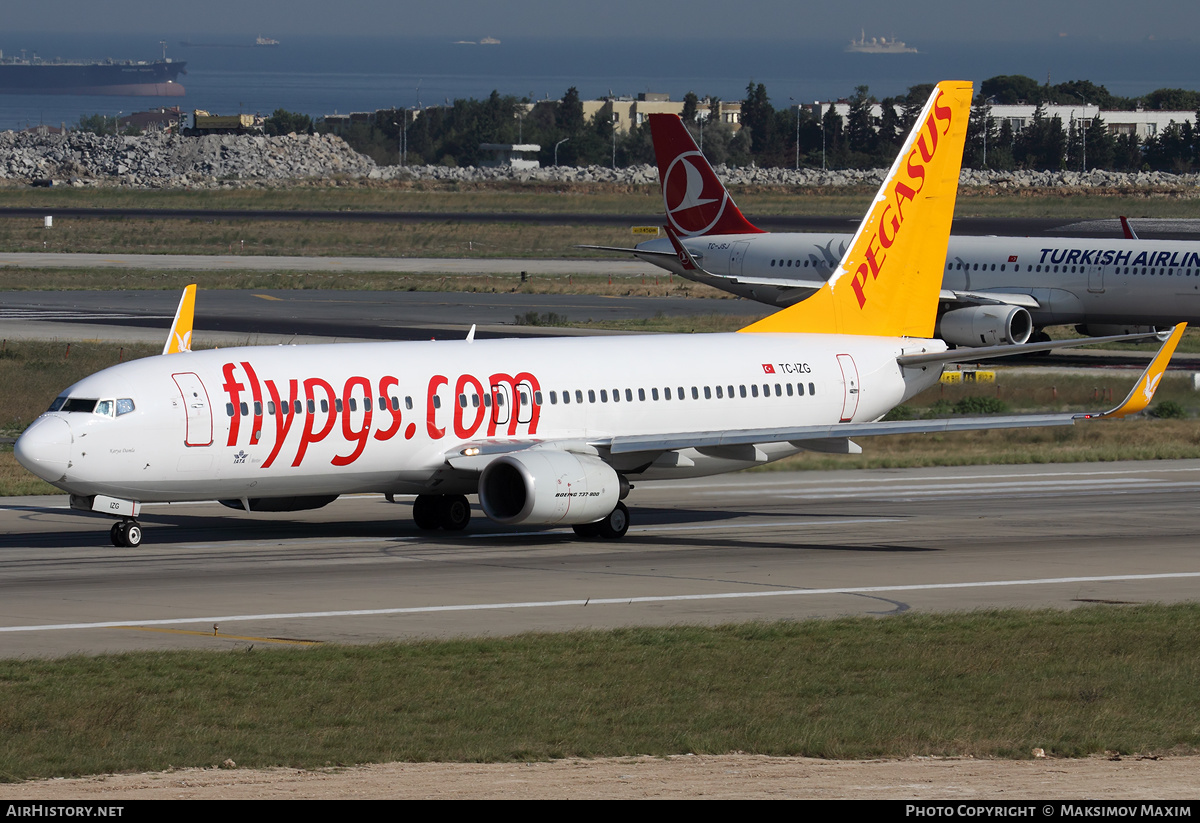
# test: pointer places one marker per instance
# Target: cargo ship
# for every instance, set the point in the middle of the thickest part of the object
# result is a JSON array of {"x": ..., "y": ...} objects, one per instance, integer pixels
[{"x": 133, "y": 78}]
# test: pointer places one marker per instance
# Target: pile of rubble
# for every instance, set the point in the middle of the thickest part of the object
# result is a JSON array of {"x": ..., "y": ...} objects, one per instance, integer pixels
[{"x": 171, "y": 161}]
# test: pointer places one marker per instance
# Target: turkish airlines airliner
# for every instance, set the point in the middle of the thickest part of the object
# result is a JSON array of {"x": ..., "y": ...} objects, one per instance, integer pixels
[
  {"x": 995, "y": 290},
  {"x": 546, "y": 432}
]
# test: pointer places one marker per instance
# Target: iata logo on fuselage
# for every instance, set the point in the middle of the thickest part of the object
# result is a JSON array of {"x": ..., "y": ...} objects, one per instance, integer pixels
[{"x": 694, "y": 205}]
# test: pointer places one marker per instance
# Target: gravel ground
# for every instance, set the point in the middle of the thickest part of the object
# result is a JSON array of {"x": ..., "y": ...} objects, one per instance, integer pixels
[{"x": 691, "y": 776}]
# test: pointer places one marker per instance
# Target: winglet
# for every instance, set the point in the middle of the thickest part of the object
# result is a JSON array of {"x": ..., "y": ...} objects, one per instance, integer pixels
[
  {"x": 1143, "y": 391},
  {"x": 696, "y": 201},
  {"x": 1127, "y": 229},
  {"x": 890, "y": 277},
  {"x": 180, "y": 337}
]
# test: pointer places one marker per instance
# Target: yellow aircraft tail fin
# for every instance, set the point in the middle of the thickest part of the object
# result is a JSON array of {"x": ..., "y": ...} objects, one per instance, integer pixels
[
  {"x": 180, "y": 337},
  {"x": 888, "y": 282}
]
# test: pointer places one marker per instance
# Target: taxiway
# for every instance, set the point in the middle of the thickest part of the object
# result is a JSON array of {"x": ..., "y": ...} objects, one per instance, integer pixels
[{"x": 755, "y": 546}]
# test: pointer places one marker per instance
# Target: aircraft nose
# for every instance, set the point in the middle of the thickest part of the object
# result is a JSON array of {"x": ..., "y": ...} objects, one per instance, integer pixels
[{"x": 45, "y": 448}]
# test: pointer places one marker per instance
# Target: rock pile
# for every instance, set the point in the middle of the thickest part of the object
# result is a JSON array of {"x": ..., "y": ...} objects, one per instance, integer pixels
[
  {"x": 793, "y": 177},
  {"x": 171, "y": 161}
]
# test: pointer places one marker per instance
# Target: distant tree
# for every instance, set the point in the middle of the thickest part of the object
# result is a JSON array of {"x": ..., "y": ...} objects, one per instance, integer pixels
[
  {"x": 1171, "y": 150},
  {"x": 1171, "y": 100},
  {"x": 834, "y": 143},
  {"x": 914, "y": 100},
  {"x": 1010, "y": 89},
  {"x": 1074, "y": 91},
  {"x": 96, "y": 124},
  {"x": 982, "y": 135},
  {"x": 860, "y": 130},
  {"x": 1000, "y": 155},
  {"x": 690, "y": 104},
  {"x": 570, "y": 113},
  {"x": 1043, "y": 143},
  {"x": 758, "y": 121},
  {"x": 1101, "y": 145},
  {"x": 890, "y": 135},
  {"x": 283, "y": 121}
]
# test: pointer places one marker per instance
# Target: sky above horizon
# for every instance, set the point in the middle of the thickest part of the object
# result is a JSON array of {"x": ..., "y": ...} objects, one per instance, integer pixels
[{"x": 915, "y": 21}]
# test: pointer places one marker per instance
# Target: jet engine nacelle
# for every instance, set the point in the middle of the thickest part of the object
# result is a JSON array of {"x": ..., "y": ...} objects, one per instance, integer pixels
[
  {"x": 985, "y": 326},
  {"x": 1105, "y": 329},
  {"x": 545, "y": 487}
]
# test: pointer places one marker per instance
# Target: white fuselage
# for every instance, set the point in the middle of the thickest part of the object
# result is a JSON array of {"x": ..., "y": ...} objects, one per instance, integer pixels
[
  {"x": 1074, "y": 280},
  {"x": 384, "y": 416}
]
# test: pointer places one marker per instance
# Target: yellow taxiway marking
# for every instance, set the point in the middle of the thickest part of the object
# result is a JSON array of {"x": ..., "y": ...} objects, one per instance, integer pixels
[
  {"x": 283, "y": 640},
  {"x": 267, "y": 297}
]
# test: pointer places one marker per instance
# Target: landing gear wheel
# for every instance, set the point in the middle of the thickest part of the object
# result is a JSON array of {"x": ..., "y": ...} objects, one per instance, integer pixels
[
  {"x": 616, "y": 524},
  {"x": 455, "y": 512},
  {"x": 425, "y": 512},
  {"x": 126, "y": 534}
]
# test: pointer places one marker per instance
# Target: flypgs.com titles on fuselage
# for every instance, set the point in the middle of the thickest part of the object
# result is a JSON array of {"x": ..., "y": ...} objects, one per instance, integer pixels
[
  {"x": 546, "y": 432},
  {"x": 995, "y": 290}
]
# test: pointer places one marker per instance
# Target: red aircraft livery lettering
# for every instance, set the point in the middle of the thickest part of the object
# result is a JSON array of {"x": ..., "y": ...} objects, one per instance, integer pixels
[
  {"x": 914, "y": 168},
  {"x": 362, "y": 408}
]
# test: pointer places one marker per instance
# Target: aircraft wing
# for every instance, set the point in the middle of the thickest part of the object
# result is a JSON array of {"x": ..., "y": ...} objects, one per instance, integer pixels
[
  {"x": 1027, "y": 301},
  {"x": 647, "y": 252},
  {"x": 970, "y": 354},
  {"x": 1138, "y": 398},
  {"x": 832, "y": 437}
]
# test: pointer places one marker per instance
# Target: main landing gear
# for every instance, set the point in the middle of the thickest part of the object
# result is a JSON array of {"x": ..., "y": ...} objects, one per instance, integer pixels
[
  {"x": 612, "y": 527},
  {"x": 451, "y": 512},
  {"x": 126, "y": 534}
]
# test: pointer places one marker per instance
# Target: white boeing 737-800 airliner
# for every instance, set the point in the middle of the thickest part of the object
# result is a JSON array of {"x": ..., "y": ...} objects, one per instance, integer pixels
[
  {"x": 549, "y": 431},
  {"x": 995, "y": 290}
]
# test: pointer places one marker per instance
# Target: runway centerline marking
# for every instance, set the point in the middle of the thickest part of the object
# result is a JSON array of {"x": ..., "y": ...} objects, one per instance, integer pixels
[{"x": 600, "y": 601}]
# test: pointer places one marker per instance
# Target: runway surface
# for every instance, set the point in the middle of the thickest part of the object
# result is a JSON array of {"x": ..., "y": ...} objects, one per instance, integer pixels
[
  {"x": 755, "y": 546},
  {"x": 617, "y": 265},
  {"x": 274, "y": 315},
  {"x": 1147, "y": 228}
]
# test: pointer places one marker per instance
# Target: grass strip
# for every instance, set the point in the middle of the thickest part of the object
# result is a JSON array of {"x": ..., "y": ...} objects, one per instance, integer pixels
[
  {"x": 597, "y": 198},
  {"x": 991, "y": 684}
]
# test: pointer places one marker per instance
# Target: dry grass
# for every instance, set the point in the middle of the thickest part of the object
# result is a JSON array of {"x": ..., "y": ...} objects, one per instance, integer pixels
[
  {"x": 318, "y": 238},
  {"x": 599, "y": 198},
  {"x": 1090, "y": 680}
]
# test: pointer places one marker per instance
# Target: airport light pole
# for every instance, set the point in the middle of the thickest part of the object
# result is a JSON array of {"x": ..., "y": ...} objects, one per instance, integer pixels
[
  {"x": 1083, "y": 128},
  {"x": 793, "y": 99},
  {"x": 556, "y": 145},
  {"x": 614, "y": 138},
  {"x": 822, "y": 114},
  {"x": 986, "y": 120}
]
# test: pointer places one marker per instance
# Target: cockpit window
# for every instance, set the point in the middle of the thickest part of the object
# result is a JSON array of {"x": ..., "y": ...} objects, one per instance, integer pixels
[
  {"x": 124, "y": 405},
  {"x": 58, "y": 403},
  {"x": 105, "y": 408},
  {"x": 79, "y": 404}
]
